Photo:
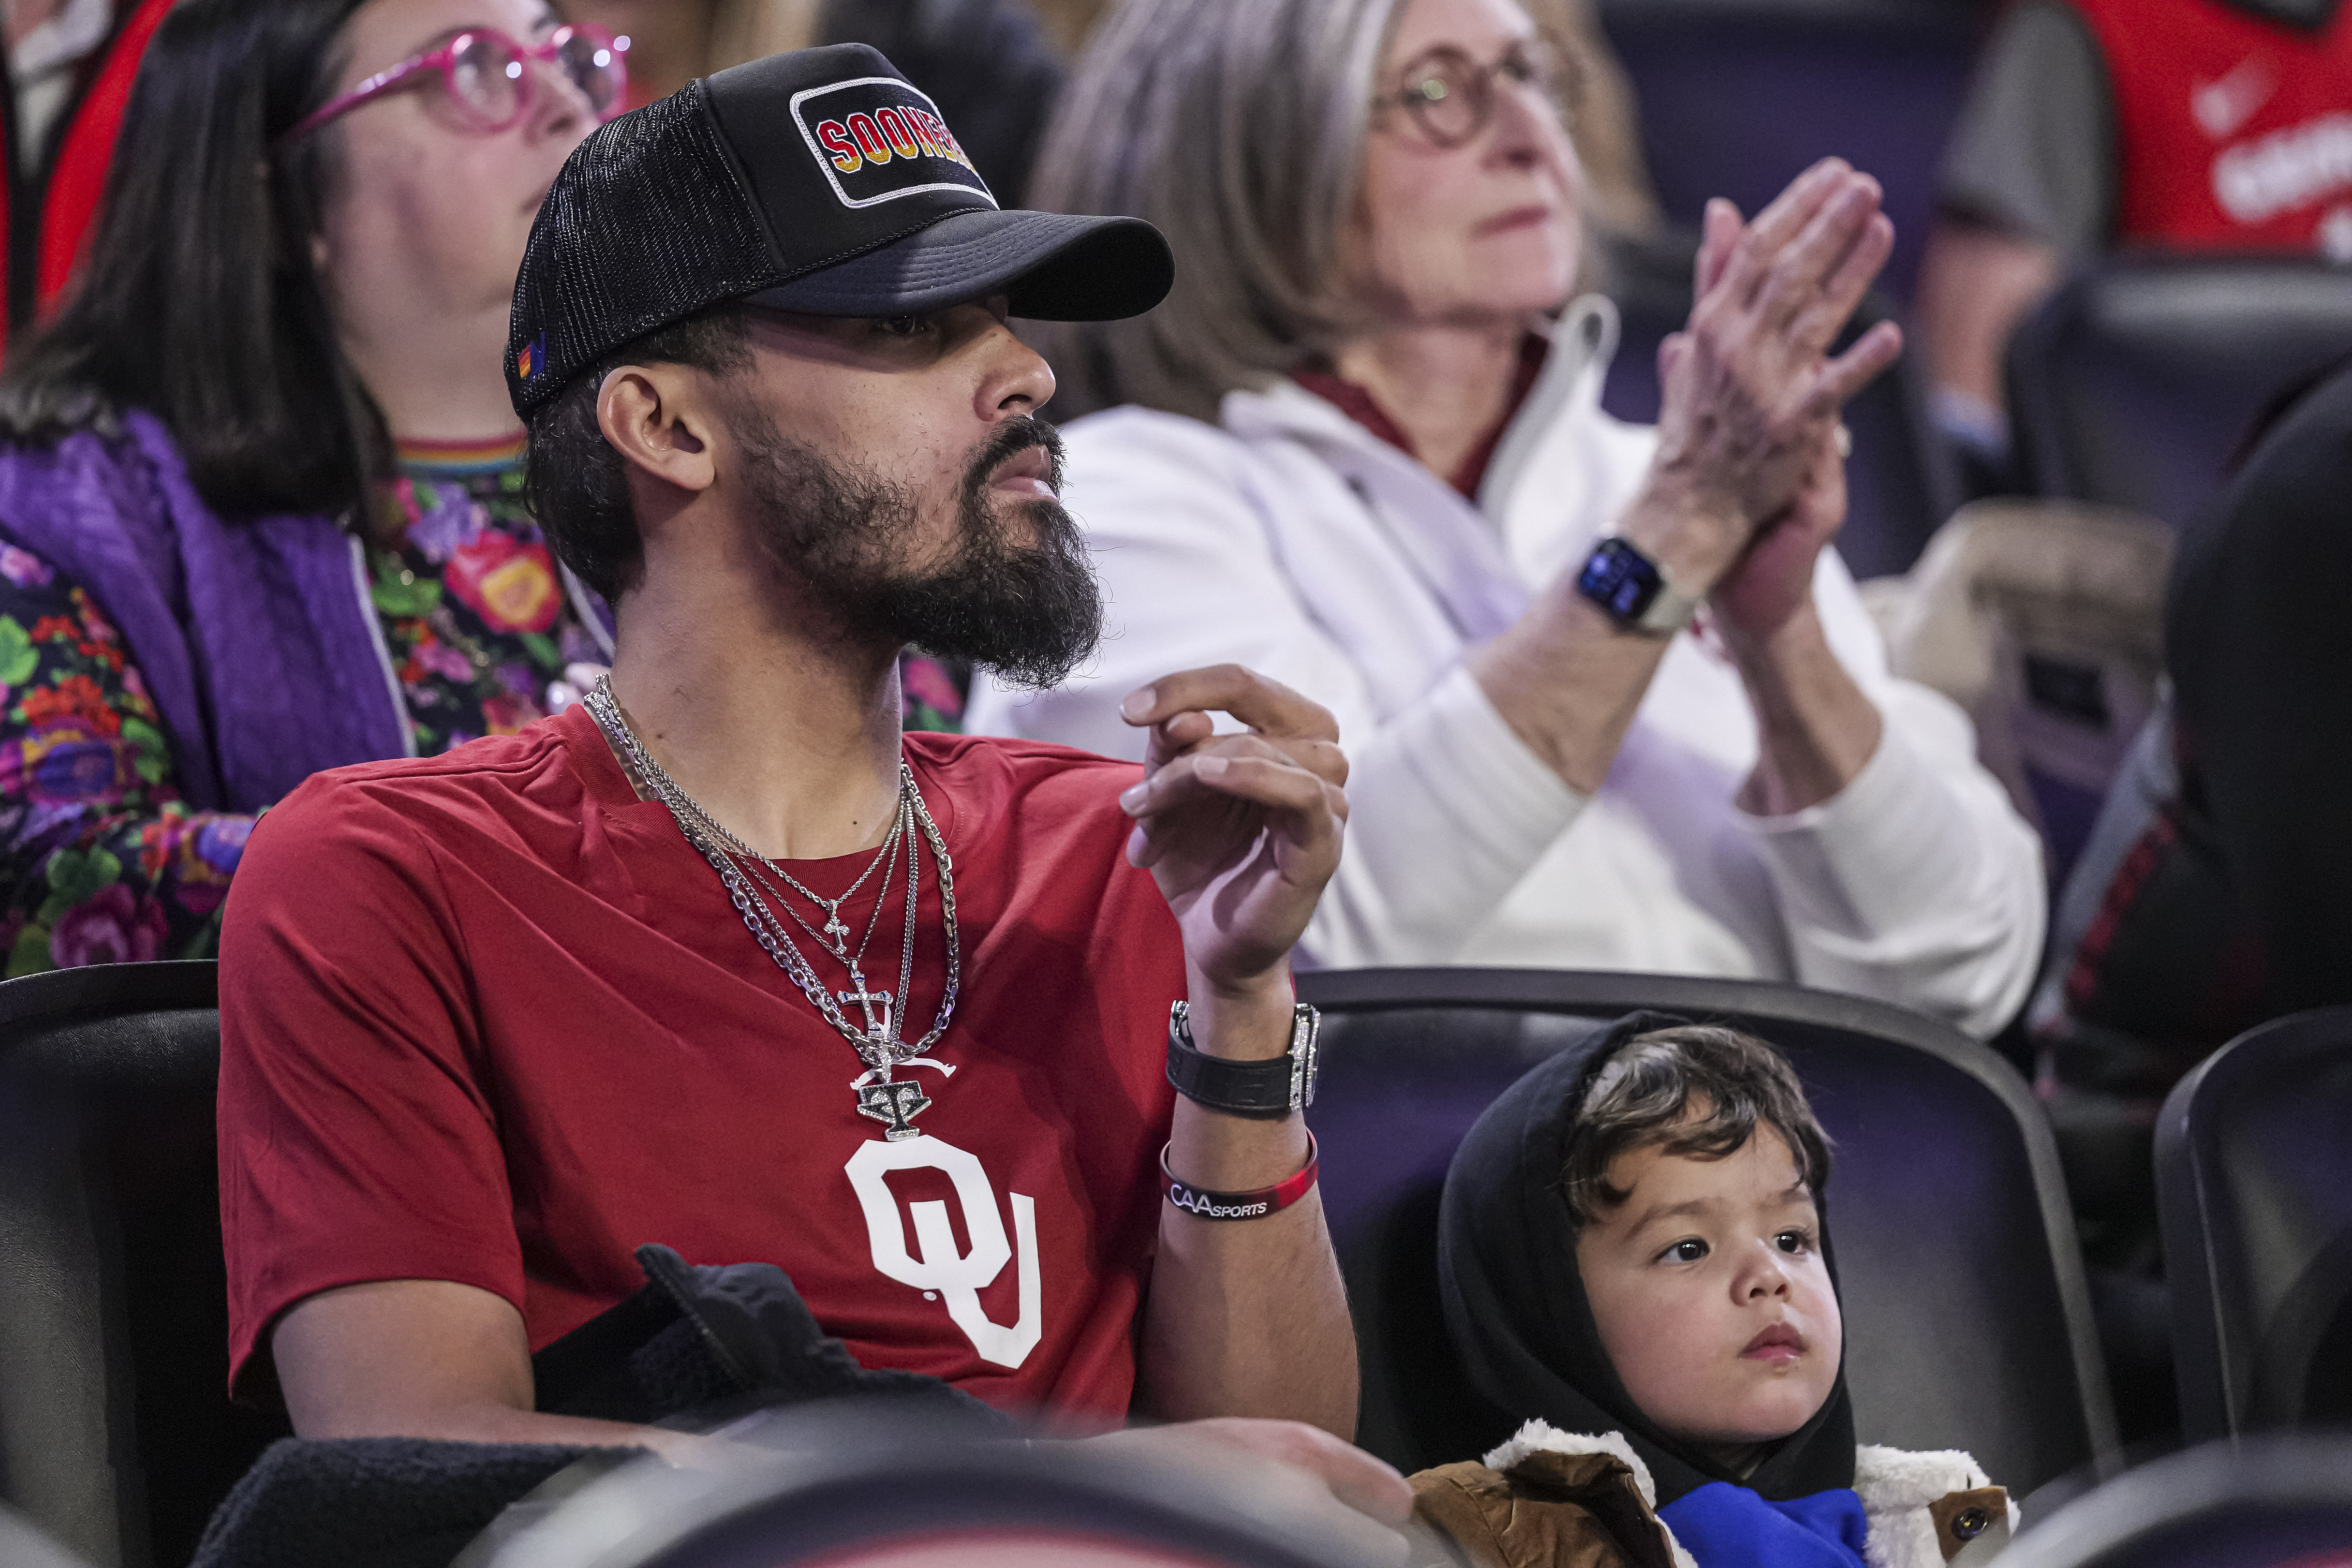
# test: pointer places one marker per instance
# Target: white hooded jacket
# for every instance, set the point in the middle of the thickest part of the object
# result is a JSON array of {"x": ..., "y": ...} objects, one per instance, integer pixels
[{"x": 1291, "y": 540}]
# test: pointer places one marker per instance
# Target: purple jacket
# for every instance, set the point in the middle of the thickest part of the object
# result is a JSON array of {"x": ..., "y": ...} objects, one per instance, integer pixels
[{"x": 256, "y": 640}]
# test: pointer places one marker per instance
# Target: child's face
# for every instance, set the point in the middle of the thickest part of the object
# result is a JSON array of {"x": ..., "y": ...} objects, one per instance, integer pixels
[{"x": 1710, "y": 1294}]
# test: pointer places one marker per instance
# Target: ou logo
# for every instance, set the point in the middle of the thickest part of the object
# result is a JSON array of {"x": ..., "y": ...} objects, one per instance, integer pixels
[{"x": 935, "y": 1265}]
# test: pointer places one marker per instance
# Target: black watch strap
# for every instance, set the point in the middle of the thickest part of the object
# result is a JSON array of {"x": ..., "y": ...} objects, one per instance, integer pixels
[{"x": 1265, "y": 1090}]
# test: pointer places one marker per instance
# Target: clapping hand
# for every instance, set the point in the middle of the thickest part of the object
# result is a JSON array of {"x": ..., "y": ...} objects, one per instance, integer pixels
[
  {"x": 1751, "y": 392},
  {"x": 1240, "y": 831}
]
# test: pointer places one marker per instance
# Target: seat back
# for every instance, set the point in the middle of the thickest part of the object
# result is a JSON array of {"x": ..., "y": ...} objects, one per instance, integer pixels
[
  {"x": 2271, "y": 1502},
  {"x": 1968, "y": 1320},
  {"x": 2254, "y": 1180},
  {"x": 863, "y": 1483},
  {"x": 116, "y": 1434},
  {"x": 1740, "y": 97},
  {"x": 1900, "y": 481},
  {"x": 2136, "y": 381}
]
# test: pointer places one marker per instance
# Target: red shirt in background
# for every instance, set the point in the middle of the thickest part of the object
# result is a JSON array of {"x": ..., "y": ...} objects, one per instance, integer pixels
[
  {"x": 487, "y": 1017},
  {"x": 2234, "y": 131}
]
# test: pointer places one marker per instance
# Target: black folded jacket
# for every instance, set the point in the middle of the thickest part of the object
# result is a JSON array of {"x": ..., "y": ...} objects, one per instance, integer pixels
[{"x": 696, "y": 1347}]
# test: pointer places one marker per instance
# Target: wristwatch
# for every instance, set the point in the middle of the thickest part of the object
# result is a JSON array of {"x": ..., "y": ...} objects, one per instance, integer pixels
[
  {"x": 1270, "y": 1089},
  {"x": 1629, "y": 587}
]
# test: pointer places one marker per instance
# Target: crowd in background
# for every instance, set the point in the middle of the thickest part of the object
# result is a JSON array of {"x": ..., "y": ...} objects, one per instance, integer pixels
[{"x": 1349, "y": 451}]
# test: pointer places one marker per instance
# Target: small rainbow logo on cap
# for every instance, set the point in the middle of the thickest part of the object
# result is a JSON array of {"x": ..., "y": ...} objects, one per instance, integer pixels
[{"x": 531, "y": 358}]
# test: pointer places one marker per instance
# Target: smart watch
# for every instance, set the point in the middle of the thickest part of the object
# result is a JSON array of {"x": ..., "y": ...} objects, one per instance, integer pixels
[{"x": 1629, "y": 587}]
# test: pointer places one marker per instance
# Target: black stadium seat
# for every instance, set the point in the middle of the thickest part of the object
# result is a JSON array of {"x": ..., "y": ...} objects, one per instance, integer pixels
[
  {"x": 2279, "y": 1501},
  {"x": 116, "y": 1433},
  {"x": 2136, "y": 381},
  {"x": 1967, "y": 1321},
  {"x": 2253, "y": 1175}
]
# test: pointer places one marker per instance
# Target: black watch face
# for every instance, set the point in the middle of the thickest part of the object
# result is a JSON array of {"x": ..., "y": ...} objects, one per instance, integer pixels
[{"x": 1619, "y": 581}]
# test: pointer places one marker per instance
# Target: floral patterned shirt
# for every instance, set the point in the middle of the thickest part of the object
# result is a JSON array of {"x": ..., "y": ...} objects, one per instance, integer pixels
[{"x": 102, "y": 862}]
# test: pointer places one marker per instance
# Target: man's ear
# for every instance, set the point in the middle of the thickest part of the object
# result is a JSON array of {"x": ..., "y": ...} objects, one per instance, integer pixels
[{"x": 660, "y": 418}]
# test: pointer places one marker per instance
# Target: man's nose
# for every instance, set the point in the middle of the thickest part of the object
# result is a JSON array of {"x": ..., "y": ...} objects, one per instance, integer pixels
[{"x": 1018, "y": 379}]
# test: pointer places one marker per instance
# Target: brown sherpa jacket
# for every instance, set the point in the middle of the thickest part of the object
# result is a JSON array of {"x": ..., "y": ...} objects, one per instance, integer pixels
[{"x": 1564, "y": 1499}]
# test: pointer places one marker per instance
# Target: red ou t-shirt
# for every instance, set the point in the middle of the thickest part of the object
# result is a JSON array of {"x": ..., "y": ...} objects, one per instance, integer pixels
[{"x": 488, "y": 1017}]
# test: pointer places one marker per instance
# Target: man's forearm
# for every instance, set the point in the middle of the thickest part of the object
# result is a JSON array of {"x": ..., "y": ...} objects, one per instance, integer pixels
[
  {"x": 1815, "y": 727},
  {"x": 1246, "y": 1317}
]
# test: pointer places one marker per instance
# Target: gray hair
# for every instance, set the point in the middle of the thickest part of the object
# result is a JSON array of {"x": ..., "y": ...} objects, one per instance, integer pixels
[{"x": 1237, "y": 127}]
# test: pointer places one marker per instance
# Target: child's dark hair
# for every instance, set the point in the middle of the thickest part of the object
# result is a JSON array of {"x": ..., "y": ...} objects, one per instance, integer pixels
[{"x": 1695, "y": 1089}]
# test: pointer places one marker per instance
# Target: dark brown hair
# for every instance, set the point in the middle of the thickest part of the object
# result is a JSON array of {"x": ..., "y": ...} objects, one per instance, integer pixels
[
  {"x": 578, "y": 487},
  {"x": 1698, "y": 1091},
  {"x": 198, "y": 301}
]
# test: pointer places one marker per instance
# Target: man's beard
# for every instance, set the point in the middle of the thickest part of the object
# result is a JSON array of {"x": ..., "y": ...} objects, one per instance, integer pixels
[{"x": 1029, "y": 613}]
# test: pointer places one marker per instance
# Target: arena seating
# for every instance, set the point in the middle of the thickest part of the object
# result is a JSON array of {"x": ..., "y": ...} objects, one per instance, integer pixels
[
  {"x": 1738, "y": 97},
  {"x": 1900, "y": 482},
  {"x": 867, "y": 1485},
  {"x": 1967, "y": 1321},
  {"x": 2141, "y": 377},
  {"x": 2253, "y": 1168},
  {"x": 2280, "y": 1500},
  {"x": 116, "y": 1434}
]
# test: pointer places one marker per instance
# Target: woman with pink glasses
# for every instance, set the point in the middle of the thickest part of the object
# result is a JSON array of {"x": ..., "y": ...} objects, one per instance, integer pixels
[{"x": 260, "y": 487}]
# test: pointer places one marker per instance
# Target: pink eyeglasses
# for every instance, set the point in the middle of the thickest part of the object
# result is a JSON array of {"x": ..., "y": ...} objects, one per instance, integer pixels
[{"x": 488, "y": 77}]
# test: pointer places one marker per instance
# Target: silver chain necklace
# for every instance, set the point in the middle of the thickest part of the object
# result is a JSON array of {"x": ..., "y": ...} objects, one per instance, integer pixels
[
  {"x": 835, "y": 938},
  {"x": 894, "y": 1103}
]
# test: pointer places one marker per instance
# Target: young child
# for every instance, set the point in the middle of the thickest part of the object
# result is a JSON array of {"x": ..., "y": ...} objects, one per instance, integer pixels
[{"x": 1632, "y": 1259}]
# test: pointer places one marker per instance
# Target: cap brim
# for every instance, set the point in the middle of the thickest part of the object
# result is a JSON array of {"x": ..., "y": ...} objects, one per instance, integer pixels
[{"x": 1055, "y": 267}]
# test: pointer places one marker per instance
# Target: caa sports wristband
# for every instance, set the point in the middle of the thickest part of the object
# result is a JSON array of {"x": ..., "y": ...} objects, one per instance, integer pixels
[
  {"x": 1629, "y": 585},
  {"x": 1264, "y": 1091},
  {"x": 1256, "y": 1204}
]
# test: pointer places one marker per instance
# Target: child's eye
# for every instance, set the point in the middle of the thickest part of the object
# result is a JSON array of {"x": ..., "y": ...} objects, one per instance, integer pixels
[
  {"x": 1794, "y": 1242},
  {"x": 903, "y": 326},
  {"x": 1690, "y": 1249}
]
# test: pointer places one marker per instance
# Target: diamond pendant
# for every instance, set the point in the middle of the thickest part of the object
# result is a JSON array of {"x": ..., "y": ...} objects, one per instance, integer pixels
[
  {"x": 896, "y": 1104},
  {"x": 836, "y": 934}
]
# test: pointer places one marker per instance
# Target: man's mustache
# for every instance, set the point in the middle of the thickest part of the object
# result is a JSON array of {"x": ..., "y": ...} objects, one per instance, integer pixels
[{"x": 1010, "y": 440}]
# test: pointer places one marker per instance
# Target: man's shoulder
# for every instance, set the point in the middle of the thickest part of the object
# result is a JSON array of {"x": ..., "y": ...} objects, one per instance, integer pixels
[
  {"x": 1018, "y": 770},
  {"x": 482, "y": 780}
]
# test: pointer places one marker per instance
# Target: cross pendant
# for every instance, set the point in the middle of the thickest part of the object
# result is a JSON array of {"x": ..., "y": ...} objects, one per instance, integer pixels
[
  {"x": 874, "y": 1002},
  {"x": 836, "y": 934},
  {"x": 895, "y": 1104}
]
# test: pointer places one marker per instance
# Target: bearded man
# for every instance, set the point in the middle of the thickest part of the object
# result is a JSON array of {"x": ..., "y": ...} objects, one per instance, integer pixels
[{"x": 719, "y": 958}]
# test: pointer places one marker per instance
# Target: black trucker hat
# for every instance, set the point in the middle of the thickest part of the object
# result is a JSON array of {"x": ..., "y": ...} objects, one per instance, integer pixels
[{"x": 820, "y": 180}]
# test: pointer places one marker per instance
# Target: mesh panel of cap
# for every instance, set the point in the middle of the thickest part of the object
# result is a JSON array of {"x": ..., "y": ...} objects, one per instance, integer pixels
[{"x": 647, "y": 225}]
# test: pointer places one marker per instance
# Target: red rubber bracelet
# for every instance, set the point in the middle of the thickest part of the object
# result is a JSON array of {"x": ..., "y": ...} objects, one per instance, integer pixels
[{"x": 1203, "y": 1204}]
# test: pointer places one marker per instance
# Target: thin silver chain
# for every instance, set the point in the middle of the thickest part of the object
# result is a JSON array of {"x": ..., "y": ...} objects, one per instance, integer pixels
[
  {"x": 856, "y": 961},
  {"x": 713, "y": 842},
  {"x": 832, "y": 907}
]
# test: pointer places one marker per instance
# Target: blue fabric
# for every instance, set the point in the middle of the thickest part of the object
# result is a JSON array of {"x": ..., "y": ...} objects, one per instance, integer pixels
[{"x": 1725, "y": 1526}]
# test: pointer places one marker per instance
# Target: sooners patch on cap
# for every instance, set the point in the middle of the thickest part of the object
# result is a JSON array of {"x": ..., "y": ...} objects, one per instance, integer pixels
[{"x": 877, "y": 139}]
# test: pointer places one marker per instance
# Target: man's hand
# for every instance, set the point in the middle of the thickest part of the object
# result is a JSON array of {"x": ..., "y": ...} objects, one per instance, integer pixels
[
  {"x": 1240, "y": 831},
  {"x": 1358, "y": 1501},
  {"x": 1749, "y": 393}
]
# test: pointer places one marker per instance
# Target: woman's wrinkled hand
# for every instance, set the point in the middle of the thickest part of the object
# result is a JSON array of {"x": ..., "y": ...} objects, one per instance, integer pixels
[{"x": 1750, "y": 392}]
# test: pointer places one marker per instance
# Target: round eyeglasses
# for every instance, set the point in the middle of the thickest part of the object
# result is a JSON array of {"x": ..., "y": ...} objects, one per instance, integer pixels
[
  {"x": 1451, "y": 96},
  {"x": 488, "y": 77}
]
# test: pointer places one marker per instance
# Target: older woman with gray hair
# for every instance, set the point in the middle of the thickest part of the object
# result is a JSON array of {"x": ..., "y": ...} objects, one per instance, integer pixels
[{"x": 1610, "y": 701}]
